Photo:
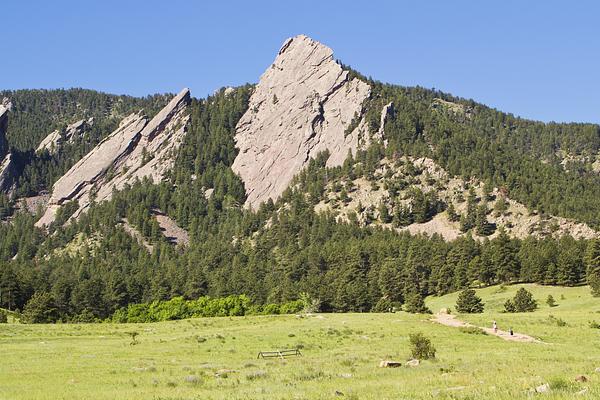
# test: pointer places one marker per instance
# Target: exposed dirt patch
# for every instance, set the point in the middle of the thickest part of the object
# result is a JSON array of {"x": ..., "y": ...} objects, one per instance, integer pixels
[{"x": 451, "y": 320}]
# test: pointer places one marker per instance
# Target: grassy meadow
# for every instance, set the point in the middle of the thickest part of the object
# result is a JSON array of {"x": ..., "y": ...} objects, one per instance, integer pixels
[{"x": 215, "y": 358}]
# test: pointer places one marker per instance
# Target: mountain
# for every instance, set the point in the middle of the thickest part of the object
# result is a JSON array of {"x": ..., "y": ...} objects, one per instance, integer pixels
[
  {"x": 316, "y": 179},
  {"x": 303, "y": 104}
]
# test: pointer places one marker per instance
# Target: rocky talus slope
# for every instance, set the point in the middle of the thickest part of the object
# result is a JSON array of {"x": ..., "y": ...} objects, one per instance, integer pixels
[
  {"x": 138, "y": 148},
  {"x": 304, "y": 104}
]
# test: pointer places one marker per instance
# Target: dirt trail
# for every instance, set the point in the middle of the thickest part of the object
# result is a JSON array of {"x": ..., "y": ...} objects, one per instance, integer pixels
[{"x": 451, "y": 320}]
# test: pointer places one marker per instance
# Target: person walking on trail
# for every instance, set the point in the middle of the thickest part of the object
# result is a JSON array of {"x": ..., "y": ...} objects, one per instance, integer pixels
[
  {"x": 495, "y": 327},
  {"x": 510, "y": 331}
]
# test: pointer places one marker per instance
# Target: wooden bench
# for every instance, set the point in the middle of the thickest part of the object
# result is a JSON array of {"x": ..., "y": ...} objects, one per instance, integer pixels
[{"x": 279, "y": 353}]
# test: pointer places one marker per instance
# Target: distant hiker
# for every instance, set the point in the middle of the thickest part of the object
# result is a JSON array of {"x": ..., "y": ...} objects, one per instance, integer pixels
[
  {"x": 510, "y": 331},
  {"x": 495, "y": 327}
]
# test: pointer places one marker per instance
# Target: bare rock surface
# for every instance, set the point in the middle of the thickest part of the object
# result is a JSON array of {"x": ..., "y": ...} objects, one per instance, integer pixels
[
  {"x": 386, "y": 111},
  {"x": 135, "y": 150},
  {"x": 303, "y": 104},
  {"x": 169, "y": 228},
  {"x": 4, "y": 108},
  {"x": 7, "y": 164},
  {"x": 56, "y": 138}
]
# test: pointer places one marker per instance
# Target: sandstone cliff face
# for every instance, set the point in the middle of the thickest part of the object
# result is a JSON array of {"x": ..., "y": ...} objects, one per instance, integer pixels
[
  {"x": 302, "y": 105},
  {"x": 7, "y": 165},
  {"x": 55, "y": 139},
  {"x": 3, "y": 126},
  {"x": 138, "y": 148}
]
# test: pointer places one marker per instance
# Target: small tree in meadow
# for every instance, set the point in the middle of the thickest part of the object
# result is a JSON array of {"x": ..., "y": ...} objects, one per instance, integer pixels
[
  {"x": 550, "y": 301},
  {"x": 421, "y": 347},
  {"x": 469, "y": 302},
  {"x": 522, "y": 302}
]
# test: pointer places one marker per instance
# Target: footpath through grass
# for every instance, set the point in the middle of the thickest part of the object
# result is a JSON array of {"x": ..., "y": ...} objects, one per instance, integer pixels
[{"x": 215, "y": 358}]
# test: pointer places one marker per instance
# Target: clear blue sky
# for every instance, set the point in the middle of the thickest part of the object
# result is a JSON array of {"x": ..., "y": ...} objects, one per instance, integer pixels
[{"x": 538, "y": 59}]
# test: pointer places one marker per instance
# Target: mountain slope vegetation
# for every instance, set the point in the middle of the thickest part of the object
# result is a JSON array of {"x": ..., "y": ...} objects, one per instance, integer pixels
[{"x": 88, "y": 268}]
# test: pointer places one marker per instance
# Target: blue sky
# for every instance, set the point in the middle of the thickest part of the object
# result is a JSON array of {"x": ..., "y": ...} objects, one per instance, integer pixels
[{"x": 537, "y": 59}]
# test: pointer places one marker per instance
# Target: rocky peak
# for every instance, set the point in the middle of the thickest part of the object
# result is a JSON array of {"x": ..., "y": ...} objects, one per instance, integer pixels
[
  {"x": 138, "y": 148},
  {"x": 303, "y": 104}
]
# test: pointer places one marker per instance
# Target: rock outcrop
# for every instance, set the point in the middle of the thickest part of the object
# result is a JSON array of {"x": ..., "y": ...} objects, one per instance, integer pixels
[
  {"x": 386, "y": 112},
  {"x": 7, "y": 164},
  {"x": 3, "y": 128},
  {"x": 138, "y": 148},
  {"x": 305, "y": 103},
  {"x": 55, "y": 139}
]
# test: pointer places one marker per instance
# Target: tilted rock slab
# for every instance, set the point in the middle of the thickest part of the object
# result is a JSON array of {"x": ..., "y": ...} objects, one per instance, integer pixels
[
  {"x": 303, "y": 104},
  {"x": 137, "y": 149},
  {"x": 55, "y": 139},
  {"x": 3, "y": 126},
  {"x": 7, "y": 166}
]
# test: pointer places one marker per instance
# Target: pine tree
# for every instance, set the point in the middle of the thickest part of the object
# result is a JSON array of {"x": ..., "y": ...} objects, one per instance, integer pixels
[
  {"x": 384, "y": 214},
  {"x": 452, "y": 214},
  {"x": 522, "y": 302},
  {"x": 415, "y": 304},
  {"x": 469, "y": 302},
  {"x": 592, "y": 263}
]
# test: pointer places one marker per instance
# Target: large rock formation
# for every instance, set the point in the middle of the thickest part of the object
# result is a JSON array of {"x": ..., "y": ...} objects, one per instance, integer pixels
[
  {"x": 304, "y": 104},
  {"x": 4, "y": 108},
  {"x": 137, "y": 149},
  {"x": 55, "y": 139},
  {"x": 7, "y": 165}
]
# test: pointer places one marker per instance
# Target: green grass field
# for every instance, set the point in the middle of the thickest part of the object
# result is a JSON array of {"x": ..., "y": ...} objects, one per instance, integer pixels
[{"x": 185, "y": 359}]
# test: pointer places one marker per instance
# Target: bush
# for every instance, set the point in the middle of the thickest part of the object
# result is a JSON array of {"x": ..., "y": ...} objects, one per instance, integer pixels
[
  {"x": 550, "y": 301},
  {"x": 557, "y": 321},
  {"x": 421, "y": 347},
  {"x": 522, "y": 302},
  {"x": 3, "y": 317},
  {"x": 469, "y": 302},
  {"x": 271, "y": 309},
  {"x": 309, "y": 304},
  {"x": 472, "y": 330}
]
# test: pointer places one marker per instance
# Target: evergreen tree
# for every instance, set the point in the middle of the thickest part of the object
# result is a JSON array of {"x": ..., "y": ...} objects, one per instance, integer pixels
[
  {"x": 469, "y": 302},
  {"x": 40, "y": 309},
  {"x": 415, "y": 304},
  {"x": 522, "y": 302},
  {"x": 592, "y": 263}
]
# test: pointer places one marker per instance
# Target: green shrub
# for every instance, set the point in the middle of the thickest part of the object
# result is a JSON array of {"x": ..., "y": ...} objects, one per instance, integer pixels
[
  {"x": 3, "y": 317},
  {"x": 469, "y": 302},
  {"x": 421, "y": 347},
  {"x": 550, "y": 301},
  {"x": 270, "y": 309},
  {"x": 472, "y": 330},
  {"x": 179, "y": 308},
  {"x": 556, "y": 321}
]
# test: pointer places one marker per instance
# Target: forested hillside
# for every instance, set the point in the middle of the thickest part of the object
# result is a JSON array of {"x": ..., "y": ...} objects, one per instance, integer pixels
[
  {"x": 36, "y": 113},
  {"x": 116, "y": 253}
]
